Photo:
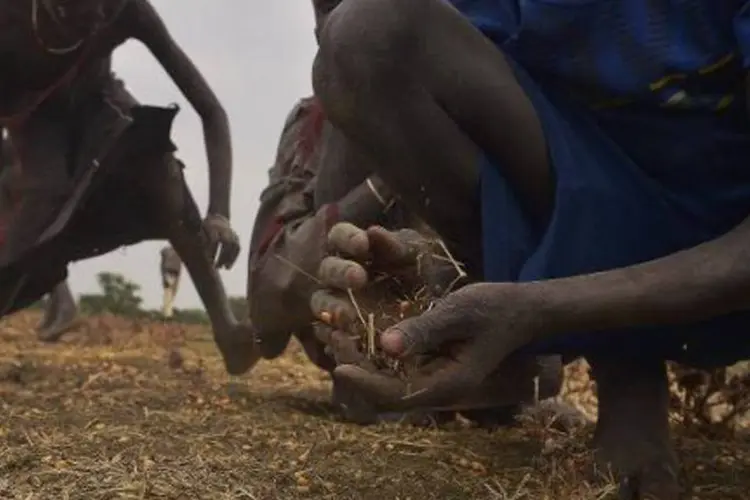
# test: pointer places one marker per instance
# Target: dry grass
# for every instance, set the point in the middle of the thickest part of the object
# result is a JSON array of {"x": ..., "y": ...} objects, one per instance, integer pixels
[
  {"x": 389, "y": 298},
  {"x": 144, "y": 410}
]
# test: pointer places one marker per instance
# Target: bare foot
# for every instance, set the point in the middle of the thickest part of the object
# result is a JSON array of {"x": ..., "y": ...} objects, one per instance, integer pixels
[
  {"x": 645, "y": 470},
  {"x": 54, "y": 332}
]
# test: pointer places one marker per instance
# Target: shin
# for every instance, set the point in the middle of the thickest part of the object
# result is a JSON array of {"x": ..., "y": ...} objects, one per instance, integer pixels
[{"x": 235, "y": 340}]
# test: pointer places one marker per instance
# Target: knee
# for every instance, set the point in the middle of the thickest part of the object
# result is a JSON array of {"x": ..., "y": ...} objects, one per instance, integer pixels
[{"x": 362, "y": 43}]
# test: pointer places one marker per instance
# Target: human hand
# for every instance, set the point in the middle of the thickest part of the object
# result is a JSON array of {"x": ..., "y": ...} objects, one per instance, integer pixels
[
  {"x": 368, "y": 261},
  {"x": 223, "y": 243},
  {"x": 363, "y": 261},
  {"x": 456, "y": 347}
]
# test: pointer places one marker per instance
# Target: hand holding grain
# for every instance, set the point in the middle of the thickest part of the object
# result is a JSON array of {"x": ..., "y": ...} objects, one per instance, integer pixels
[
  {"x": 409, "y": 354},
  {"x": 431, "y": 359}
]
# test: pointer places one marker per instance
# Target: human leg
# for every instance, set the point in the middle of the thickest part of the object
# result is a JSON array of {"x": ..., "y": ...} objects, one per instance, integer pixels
[
  {"x": 60, "y": 315},
  {"x": 424, "y": 92},
  {"x": 179, "y": 215},
  {"x": 170, "y": 282},
  {"x": 632, "y": 435}
]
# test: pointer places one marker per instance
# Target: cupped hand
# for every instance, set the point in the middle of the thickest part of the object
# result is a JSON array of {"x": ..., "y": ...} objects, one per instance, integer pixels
[
  {"x": 359, "y": 258},
  {"x": 452, "y": 350},
  {"x": 459, "y": 343}
]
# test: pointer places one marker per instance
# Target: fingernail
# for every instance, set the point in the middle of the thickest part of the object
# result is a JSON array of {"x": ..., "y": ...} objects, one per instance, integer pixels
[
  {"x": 325, "y": 317},
  {"x": 356, "y": 277},
  {"x": 359, "y": 243},
  {"x": 392, "y": 341}
]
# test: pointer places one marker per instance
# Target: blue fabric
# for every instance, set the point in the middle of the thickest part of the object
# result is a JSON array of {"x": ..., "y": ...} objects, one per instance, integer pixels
[
  {"x": 608, "y": 50},
  {"x": 742, "y": 32},
  {"x": 497, "y": 19},
  {"x": 635, "y": 179}
]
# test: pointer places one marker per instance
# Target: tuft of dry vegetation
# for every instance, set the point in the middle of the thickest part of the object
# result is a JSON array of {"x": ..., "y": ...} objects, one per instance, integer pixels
[{"x": 125, "y": 409}]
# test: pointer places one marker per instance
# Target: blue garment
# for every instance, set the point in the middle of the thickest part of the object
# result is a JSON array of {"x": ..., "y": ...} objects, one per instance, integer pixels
[{"x": 643, "y": 108}]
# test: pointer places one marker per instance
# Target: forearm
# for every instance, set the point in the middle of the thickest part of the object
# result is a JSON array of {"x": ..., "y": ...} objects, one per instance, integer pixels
[
  {"x": 219, "y": 152},
  {"x": 689, "y": 286},
  {"x": 141, "y": 21}
]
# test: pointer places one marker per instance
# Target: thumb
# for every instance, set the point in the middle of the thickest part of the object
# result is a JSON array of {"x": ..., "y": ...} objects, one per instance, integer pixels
[{"x": 426, "y": 333}]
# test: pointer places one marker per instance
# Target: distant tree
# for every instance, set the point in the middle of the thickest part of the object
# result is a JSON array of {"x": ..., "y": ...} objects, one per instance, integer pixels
[
  {"x": 191, "y": 316},
  {"x": 122, "y": 297},
  {"x": 118, "y": 296}
]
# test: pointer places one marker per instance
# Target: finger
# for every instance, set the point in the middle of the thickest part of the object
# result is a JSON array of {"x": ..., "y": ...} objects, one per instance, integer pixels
[
  {"x": 221, "y": 255},
  {"x": 341, "y": 346},
  {"x": 224, "y": 251},
  {"x": 333, "y": 309},
  {"x": 473, "y": 378},
  {"x": 350, "y": 240},
  {"x": 336, "y": 272},
  {"x": 322, "y": 333},
  {"x": 442, "y": 388},
  {"x": 345, "y": 348},
  {"x": 395, "y": 247},
  {"x": 428, "y": 332},
  {"x": 381, "y": 389},
  {"x": 230, "y": 250},
  {"x": 212, "y": 244},
  {"x": 442, "y": 275},
  {"x": 213, "y": 253},
  {"x": 449, "y": 392}
]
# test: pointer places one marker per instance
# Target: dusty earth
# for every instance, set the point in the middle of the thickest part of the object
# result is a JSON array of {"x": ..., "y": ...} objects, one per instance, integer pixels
[{"x": 124, "y": 409}]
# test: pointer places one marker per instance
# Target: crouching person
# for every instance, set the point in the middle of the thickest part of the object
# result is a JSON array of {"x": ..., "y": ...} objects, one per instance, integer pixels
[
  {"x": 317, "y": 181},
  {"x": 603, "y": 181},
  {"x": 87, "y": 149}
]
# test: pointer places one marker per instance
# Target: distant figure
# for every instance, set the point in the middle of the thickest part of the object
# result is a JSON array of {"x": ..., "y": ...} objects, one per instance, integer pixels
[
  {"x": 171, "y": 266},
  {"x": 61, "y": 310},
  {"x": 60, "y": 313}
]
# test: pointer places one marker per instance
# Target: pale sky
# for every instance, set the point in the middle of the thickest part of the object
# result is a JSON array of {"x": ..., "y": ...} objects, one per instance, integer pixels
[{"x": 256, "y": 55}]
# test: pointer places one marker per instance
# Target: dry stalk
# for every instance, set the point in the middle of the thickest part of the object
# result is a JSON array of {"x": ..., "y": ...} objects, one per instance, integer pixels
[{"x": 294, "y": 266}]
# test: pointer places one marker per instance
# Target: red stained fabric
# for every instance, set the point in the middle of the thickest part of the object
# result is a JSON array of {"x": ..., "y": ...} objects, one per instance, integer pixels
[{"x": 312, "y": 130}]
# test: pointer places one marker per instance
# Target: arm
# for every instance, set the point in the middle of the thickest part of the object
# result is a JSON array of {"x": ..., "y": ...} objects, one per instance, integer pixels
[
  {"x": 696, "y": 284},
  {"x": 147, "y": 27}
]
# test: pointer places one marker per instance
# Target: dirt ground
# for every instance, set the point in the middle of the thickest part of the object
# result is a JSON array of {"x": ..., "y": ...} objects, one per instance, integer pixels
[{"x": 124, "y": 409}]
